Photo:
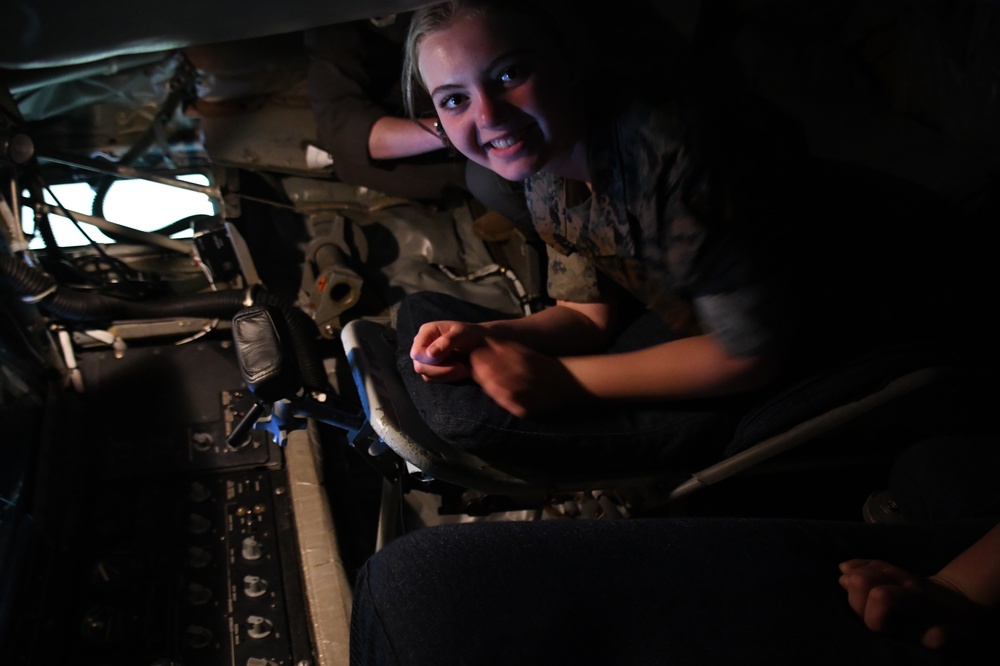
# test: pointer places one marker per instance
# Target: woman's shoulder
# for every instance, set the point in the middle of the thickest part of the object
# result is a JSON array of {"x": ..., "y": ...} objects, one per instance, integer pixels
[{"x": 635, "y": 126}]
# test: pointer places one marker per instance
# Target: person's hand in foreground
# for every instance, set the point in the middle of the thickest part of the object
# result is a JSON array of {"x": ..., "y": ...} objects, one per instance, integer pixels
[{"x": 954, "y": 608}]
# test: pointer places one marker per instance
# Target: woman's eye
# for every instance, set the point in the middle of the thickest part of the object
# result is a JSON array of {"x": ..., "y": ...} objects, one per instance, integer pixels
[
  {"x": 510, "y": 75},
  {"x": 450, "y": 102}
]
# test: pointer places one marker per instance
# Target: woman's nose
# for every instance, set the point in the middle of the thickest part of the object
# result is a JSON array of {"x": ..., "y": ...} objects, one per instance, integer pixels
[{"x": 491, "y": 109}]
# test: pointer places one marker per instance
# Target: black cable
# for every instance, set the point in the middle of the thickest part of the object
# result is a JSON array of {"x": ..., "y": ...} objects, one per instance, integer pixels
[{"x": 112, "y": 275}]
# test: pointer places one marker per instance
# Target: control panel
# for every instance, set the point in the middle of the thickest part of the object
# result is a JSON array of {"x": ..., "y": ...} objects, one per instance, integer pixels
[{"x": 160, "y": 544}]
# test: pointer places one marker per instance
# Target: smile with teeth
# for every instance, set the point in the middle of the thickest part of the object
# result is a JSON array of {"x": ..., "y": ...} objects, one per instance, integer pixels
[{"x": 506, "y": 141}]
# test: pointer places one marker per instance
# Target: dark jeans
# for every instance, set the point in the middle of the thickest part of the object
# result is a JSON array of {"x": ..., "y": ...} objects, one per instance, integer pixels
[
  {"x": 685, "y": 592},
  {"x": 605, "y": 437}
]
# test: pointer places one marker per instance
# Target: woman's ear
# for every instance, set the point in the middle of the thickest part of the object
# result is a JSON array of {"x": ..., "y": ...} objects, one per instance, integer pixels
[{"x": 440, "y": 131}]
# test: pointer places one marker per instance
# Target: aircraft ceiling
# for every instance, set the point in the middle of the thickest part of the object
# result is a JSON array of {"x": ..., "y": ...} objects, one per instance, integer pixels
[{"x": 50, "y": 33}]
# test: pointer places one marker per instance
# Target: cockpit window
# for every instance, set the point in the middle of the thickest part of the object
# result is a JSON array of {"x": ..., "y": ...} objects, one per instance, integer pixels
[{"x": 135, "y": 203}]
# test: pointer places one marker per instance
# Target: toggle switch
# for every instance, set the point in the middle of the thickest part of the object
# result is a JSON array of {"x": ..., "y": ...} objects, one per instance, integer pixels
[
  {"x": 254, "y": 586},
  {"x": 259, "y": 627},
  {"x": 252, "y": 549},
  {"x": 202, "y": 441}
]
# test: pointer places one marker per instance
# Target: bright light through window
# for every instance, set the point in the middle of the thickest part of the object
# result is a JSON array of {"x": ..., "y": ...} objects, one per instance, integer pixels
[{"x": 139, "y": 204}]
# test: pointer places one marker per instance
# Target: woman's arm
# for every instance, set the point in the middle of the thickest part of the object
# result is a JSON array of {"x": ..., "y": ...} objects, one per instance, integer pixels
[
  {"x": 525, "y": 382},
  {"x": 393, "y": 138},
  {"x": 340, "y": 78},
  {"x": 537, "y": 363},
  {"x": 563, "y": 330},
  {"x": 693, "y": 367}
]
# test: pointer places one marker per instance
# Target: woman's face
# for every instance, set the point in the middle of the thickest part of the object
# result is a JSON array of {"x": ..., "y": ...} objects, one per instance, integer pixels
[{"x": 504, "y": 95}]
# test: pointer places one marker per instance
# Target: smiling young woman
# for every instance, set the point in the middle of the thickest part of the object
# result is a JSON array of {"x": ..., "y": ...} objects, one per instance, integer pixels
[
  {"x": 505, "y": 96},
  {"x": 666, "y": 242}
]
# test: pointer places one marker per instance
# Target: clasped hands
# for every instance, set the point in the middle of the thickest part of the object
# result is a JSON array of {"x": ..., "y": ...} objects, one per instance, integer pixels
[{"x": 521, "y": 380}]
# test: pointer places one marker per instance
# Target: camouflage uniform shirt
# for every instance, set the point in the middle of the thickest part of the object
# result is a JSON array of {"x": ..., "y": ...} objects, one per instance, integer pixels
[{"x": 642, "y": 224}]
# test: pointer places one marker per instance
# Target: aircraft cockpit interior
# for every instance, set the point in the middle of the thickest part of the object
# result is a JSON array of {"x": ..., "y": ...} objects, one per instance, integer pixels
[{"x": 204, "y": 429}]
